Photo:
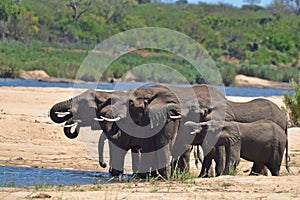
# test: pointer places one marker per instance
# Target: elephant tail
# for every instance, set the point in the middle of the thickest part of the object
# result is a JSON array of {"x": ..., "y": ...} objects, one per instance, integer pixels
[{"x": 287, "y": 157}]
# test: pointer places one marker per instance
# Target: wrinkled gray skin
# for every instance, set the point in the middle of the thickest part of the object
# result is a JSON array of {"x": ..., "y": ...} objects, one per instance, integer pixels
[
  {"x": 214, "y": 105},
  {"x": 79, "y": 111},
  {"x": 262, "y": 142},
  {"x": 137, "y": 122},
  {"x": 121, "y": 140},
  {"x": 160, "y": 105},
  {"x": 163, "y": 102},
  {"x": 247, "y": 112},
  {"x": 82, "y": 110}
]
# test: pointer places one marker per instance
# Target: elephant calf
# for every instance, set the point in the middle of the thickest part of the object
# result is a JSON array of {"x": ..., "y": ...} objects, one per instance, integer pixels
[{"x": 262, "y": 142}]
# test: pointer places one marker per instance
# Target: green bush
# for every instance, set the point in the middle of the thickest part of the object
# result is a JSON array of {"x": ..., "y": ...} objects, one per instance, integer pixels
[
  {"x": 273, "y": 73},
  {"x": 228, "y": 73},
  {"x": 292, "y": 103}
]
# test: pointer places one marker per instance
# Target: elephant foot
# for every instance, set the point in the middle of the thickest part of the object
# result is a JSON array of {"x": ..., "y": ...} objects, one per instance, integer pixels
[
  {"x": 115, "y": 173},
  {"x": 203, "y": 175},
  {"x": 143, "y": 175},
  {"x": 154, "y": 174}
]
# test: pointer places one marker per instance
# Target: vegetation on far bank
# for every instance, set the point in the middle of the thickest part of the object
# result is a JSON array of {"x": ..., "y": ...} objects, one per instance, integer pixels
[
  {"x": 292, "y": 103},
  {"x": 56, "y": 36}
]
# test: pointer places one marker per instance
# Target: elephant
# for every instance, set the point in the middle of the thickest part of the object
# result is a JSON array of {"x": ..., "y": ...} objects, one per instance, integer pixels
[
  {"x": 85, "y": 110},
  {"x": 79, "y": 111},
  {"x": 135, "y": 131},
  {"x": 247, "y": 112},
  {"x": 262, "y": 142}
]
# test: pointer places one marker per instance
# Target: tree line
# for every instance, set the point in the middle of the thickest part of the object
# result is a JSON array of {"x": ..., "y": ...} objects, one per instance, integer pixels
[{"x": 250, "y": 35}]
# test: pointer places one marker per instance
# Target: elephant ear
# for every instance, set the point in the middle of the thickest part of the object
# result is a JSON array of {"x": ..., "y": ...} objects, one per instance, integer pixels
[
  {"x": 102, "y": 97},
  {"x": 159, "y": 113},
  {"x": 232, "y": 133}
]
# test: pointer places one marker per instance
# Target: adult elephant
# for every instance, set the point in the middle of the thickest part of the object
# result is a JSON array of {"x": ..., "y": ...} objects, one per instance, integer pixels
[
  {"x": 79, "y": 111},
  {"x": 263, "y": 142},
  {"x": 134, "y": 128},
  {"x": 84, "y": 110}
]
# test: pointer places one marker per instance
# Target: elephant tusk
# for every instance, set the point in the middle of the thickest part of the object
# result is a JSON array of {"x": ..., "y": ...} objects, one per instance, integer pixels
[
  {"x": 193, "y": 132},
  {"x": 99, "y": 119},
  {"x": 110, "y": 120},
  {"x": 71, "y": 125},
  {"x": 62, "y": 114},
  {"x": 175, "y": 117}
]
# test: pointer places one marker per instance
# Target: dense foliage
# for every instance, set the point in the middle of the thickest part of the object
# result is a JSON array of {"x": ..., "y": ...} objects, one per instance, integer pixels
[
  {"x": 56, "y": 35},
  {"x": 292, "y": 103}
]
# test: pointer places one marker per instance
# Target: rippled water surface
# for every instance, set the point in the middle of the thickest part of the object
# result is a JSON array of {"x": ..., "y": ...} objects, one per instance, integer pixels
[{"x": 15, "y": 176}]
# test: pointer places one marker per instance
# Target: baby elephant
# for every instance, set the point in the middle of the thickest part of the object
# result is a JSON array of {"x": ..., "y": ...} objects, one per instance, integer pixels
[{"x": 262, "y": 142}]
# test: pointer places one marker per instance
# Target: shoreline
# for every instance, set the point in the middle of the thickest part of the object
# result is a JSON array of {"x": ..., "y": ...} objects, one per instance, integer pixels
[{"x": 239, "y": 81}]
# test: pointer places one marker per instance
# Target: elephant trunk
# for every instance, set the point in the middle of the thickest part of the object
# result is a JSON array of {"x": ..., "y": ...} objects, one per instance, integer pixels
[
  {"x": 62, "y": 109},
  {"x": 100, "y": 150},
  {"x": 67, "y": 129}
]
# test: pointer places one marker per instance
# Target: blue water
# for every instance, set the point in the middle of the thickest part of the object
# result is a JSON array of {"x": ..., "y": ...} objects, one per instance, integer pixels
[
  {"x": 230, "y": 91},
  {"x": 15, "y": 176}
]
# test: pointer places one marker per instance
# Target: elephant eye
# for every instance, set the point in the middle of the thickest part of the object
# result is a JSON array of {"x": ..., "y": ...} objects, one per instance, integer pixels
[
  {"x": 209, "y": 110},
  {"x": 131, "y": 103}
]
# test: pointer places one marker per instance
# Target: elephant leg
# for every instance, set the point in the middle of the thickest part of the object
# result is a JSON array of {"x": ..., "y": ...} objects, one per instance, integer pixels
[
  {"x": 164, "y": 155},
  {"x": 182, "y": 164},
  {"x": 206, "y": 164},
  {"x": 117, "y": 156},
  {"x": 184, "y": 161},
  {"x": 235, "y": 154},
  {"x": 227, "y": 160},
  {"x": 154, "y": 166},
  {"x": 232, "y": 157},
  {"x": 258, "y": 168},
  {"x": 136, "y": 159},
  {"x": 147, "y": 160},
  {"x": 101, "y": 141},
  {"x": 220, "y": 158}
]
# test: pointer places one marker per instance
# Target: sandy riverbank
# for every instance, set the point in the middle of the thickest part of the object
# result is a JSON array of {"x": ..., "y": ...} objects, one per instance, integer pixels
[{"x": 28, "y": 137}]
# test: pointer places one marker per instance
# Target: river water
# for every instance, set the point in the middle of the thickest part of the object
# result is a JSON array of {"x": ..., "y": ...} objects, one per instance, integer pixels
[
  {"x": 16, "y": 176},
  {"x": 230, "y": 91}
]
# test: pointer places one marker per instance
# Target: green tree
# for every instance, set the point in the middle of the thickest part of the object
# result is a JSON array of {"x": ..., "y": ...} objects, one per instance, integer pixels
[
  {"x": 23, "y": 24},
  {"x": 292, "y": 103},
  {"x": 6, "y": 9},
  {"x": 113, "y": 10},
  {"x": 79, "y": 7}
]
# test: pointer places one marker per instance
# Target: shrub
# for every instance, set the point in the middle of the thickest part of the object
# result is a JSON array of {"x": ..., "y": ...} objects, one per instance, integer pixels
[
  {"x": 292, "y": 103},
  {"x": 228, "y": 73}
]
